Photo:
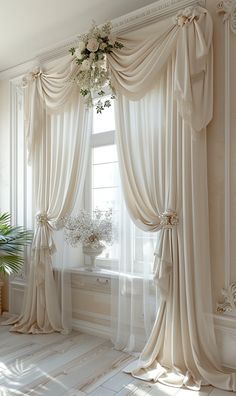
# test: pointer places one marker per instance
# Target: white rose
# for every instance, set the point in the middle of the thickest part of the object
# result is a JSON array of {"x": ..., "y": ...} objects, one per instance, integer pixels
[
  {"x": 93, "y": 45},
  {"x": 103, "y": 34},
  {"x": 81, "y": 46},
  {"x": 78, "y": 53},
  {"x": 85, "y": 64},
  {"x": 103, "y": 46},
  {"x": 101, "y": 64}
]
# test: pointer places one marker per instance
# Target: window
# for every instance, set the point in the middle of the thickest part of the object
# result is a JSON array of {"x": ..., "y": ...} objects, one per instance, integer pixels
[
  {"x": 103, "y": 179},
  {"x": 103, "y": 191},
  {"x": 21, "y": 206}
]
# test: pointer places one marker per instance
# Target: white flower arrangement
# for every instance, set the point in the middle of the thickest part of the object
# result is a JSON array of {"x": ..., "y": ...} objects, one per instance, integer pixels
[
  {"x": 89, "y": 230},
  {"x": 90, "y": 55}
]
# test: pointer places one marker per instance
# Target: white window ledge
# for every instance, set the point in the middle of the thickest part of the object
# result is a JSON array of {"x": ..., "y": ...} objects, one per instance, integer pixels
[
  {"x": 106, "y": 273},
  {"x": 101, "y": 272}
]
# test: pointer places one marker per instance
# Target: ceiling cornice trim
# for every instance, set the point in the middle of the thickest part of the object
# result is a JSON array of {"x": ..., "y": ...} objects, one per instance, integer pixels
[
  {"x": 131, "y": 21},
  {"x": 150, "y": 14}
]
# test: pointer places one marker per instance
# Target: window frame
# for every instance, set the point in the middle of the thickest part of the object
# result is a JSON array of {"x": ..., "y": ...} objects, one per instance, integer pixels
[{"x": 97, "y": 140}]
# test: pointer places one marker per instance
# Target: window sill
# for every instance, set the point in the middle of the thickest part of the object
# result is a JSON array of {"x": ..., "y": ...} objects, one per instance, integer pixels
[
  {"x": 106, "y": 273},
  {"x": 101, "y": 272}
]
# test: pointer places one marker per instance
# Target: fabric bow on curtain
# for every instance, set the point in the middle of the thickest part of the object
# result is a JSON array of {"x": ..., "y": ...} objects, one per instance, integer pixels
[
  {"x": 164, "y": 89},
  {"x": 58, "y": 134}
]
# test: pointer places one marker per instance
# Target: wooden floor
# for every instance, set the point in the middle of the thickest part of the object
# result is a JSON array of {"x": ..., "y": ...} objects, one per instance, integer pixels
[{"x": 72, "y": 365}]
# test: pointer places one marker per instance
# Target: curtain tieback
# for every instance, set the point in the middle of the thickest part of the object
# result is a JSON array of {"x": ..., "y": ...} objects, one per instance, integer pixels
[
  {"x": 43, "y": 234},
  {"x": 42, "y": 219},
  {"x": 34, "y": 75},
  {"x": 186, "y": 16},
  {"x": 43, "y": 245},
  {"x": 162, "y": 267},
  {"x": 169, "y": 219}
]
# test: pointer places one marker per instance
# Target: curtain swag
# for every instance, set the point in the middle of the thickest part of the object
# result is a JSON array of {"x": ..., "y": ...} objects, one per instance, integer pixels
[{"x": 164, "y": 86}]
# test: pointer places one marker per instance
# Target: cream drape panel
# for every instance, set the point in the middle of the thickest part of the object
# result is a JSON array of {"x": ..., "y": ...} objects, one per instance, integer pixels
[
  {"x": 161, "y": 140},
  {"x": 58, "y": 135}
]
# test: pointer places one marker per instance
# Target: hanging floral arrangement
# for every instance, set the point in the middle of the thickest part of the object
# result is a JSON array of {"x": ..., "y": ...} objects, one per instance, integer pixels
[{"x": 91, "y": 57}]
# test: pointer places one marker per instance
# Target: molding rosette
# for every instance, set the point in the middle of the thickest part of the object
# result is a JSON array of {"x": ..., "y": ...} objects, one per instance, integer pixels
[
  {"x": 229, "y": 304},
  {"x": 228, "y": 9}
]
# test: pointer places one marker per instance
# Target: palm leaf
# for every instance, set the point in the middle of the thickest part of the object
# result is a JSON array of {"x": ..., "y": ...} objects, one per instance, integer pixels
[
  {"x": 12, "y": 242},
  {"x": 10, "y": 264}
]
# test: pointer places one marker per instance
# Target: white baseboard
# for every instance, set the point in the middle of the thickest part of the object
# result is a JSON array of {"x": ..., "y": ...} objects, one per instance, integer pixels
[
  {"x": 225, "y": 326},
  {"x": 91, "y": 328}
]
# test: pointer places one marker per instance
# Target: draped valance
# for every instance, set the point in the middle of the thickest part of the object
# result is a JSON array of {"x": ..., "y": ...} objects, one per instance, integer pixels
[
  {"x": 135, "y": 68},
  {"x": 188, "y": 38}
]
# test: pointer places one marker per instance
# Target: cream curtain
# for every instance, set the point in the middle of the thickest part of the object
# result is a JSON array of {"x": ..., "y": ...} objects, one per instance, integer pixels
[
  {"x": 161, "y": 140},
  {"x": 58, "y": 132}
]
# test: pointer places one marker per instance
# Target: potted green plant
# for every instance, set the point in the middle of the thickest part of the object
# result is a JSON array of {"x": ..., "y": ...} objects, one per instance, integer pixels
[{"x": 12, "y": 242}]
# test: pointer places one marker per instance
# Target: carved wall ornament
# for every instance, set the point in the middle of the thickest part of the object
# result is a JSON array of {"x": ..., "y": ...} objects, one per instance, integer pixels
[
  {"x": 229, "y": 303},
  {"x": 228, "y": 9}
]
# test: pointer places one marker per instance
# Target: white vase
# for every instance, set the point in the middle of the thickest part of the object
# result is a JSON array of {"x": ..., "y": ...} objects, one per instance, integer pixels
[{"x": 93, "y": 252}]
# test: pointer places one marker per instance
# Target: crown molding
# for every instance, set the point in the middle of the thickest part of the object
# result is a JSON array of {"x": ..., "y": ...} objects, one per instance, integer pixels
[
  {"x": 18, "y": 71},
  {"x": 131, "y": 21},
  {"x": 154, "y": 12}
]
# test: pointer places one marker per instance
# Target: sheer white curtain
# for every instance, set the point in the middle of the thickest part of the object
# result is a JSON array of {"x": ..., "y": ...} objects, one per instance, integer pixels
[
  {"x": 134, "y": 296},
  {"x": 162, "y": 155},
  {"x": 59, "y": 128}
]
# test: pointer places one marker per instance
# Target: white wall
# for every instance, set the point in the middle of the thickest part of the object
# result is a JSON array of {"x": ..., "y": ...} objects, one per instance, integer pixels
[
  {"x": 4, "y": 161},
  {"x": 4, "y": 146}
]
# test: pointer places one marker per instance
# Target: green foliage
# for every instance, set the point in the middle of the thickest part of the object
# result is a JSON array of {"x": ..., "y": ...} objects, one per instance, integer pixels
[
  {"x": 72, "y": 51},
  {"x": 100, "y": 105},
  {"x": 118, "y": 45},
  {"x": 12, "y": 243},
  {"x": 101, "y": 93},
  {"x": 84, "y": 92}
]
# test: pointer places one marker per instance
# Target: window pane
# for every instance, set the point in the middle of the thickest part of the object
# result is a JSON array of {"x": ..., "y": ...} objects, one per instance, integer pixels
[
  {"x": 110, "y": 252},
  {"x": 104, "y": 198},
  {"x": 104, "y": 121},
  {"x": 104, "y": 154},
  {"x": 105, "y": 175}
]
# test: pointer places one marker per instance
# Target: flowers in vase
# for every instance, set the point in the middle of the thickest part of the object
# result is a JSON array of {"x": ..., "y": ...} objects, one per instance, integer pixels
[
  {"x": 89, "y": 230},
  {"x": 91, "y": 57}
]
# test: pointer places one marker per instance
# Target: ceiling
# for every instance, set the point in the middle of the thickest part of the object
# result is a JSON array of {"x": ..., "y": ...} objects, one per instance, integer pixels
[{"x": 28, "y": 27}]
